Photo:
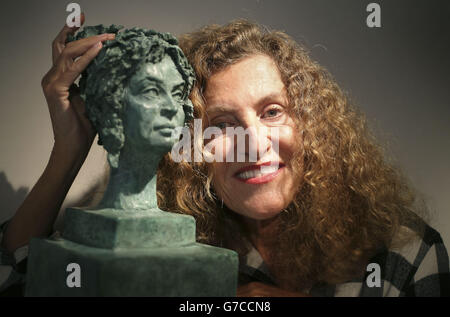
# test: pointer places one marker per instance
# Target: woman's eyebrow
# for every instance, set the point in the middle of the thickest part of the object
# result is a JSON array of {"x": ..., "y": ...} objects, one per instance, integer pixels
[
  {"x": 272, "y": 97},
  {"x": 221, "y": 108}
]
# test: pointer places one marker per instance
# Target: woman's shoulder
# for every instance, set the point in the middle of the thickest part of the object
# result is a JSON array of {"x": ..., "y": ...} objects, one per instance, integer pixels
[
  {"x": 418, "y": 246},
  {"x": 419, "y": 267},
  {"x": 416, "y": 264}
]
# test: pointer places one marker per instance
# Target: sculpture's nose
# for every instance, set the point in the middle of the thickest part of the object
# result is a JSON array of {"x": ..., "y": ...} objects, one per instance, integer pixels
[{"x": 169, "y": 109}]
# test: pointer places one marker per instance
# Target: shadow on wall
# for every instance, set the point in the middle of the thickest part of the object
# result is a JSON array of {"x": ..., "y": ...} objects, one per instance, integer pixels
[{"x": 10, "y": 199}]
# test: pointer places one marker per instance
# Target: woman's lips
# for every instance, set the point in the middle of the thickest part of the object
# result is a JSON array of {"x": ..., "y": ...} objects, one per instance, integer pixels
[{"x": 259, "y": 174}]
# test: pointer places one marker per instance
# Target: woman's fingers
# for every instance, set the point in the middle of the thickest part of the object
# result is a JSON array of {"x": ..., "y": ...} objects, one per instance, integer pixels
[
  {"x": 60, "y": 41},
  {"x": 74, "y": 70},
  {"x": 81, "y": 63},
  {"x": 61, "y": 77},
  {"x": 86, "y": 49},
  {"x": 77, "y": 48},
  {"x": 66, "y": 67}
]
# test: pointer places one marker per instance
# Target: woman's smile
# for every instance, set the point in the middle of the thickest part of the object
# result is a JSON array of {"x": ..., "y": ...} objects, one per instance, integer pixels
[{"x": 259, "y": 174}]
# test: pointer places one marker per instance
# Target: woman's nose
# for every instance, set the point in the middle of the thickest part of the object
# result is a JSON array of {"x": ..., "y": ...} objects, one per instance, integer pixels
[{"x": 256, "y": 143}]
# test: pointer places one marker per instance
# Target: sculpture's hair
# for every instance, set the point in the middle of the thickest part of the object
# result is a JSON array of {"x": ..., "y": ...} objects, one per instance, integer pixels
[
  {"x": 103, "y": 83},
  {"x": 350, "y": 202}
]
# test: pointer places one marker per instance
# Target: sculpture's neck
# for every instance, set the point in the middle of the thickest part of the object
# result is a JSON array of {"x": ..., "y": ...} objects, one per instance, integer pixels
[{"x": 133, "y": 184}]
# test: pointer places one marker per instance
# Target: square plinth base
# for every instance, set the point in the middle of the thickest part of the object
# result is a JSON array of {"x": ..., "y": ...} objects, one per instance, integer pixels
[
  {"x": 112, "y": 228},
  {"x": 192, "y": 270}
]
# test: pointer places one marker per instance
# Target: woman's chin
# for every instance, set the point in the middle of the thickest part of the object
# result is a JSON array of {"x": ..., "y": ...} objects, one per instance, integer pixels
[{"x": 262, "y": 213}]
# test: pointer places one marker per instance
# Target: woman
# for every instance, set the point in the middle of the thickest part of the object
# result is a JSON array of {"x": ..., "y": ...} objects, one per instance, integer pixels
[{"x": 313, "y": 225}]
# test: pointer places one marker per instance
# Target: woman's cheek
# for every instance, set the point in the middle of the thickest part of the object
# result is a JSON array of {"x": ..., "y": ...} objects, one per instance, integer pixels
[
  {"x": 220, "y": 179},
  {"x": 288, "y": 140},
  {"x": 220, "y": 148}
]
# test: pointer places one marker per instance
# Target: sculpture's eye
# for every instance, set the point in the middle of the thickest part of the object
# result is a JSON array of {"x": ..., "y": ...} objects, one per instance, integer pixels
[
  {"x": 178, "y": 96},
  {"x": 150, "y": 92}
]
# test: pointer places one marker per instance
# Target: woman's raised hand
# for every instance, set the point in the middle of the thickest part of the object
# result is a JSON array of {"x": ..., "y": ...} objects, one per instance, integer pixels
[{"x": 73, "y": 133}]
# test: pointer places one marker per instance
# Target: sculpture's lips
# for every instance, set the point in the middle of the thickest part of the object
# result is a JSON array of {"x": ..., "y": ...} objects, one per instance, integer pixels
[
  {"x": 165, "y": 130},
  {"x": 167, "y": 126}
]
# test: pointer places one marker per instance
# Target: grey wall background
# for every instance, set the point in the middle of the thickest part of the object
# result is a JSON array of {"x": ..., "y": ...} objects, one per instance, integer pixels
[{"x": 398, "y": 74}]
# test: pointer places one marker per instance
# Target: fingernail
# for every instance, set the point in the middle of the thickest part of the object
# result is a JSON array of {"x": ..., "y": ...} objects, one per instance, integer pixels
[{"x": 107, "y": 36}]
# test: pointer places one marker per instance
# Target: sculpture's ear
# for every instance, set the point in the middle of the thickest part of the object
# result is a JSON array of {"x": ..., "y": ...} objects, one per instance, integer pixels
[
  {"x": 125, "y": 96},
  {"x": 125, "y": 101},
  {"x": 188, "y": 108},
  {"x": 113, "y": 160}
]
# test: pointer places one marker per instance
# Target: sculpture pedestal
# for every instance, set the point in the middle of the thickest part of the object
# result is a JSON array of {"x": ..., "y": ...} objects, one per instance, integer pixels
[{"x": 150, "y": 253}]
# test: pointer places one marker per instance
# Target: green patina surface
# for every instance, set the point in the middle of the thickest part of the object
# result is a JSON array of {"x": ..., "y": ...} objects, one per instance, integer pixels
[
  {"x": 137, "y": 84},
  {"x": 136, "y": 94},
  {"x": 193, "y": 270},
  {"x": 111, "y": 229}
]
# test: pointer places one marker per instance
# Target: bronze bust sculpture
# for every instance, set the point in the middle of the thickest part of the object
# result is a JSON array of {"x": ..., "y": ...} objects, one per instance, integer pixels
[{"x": 136, "y": 93}]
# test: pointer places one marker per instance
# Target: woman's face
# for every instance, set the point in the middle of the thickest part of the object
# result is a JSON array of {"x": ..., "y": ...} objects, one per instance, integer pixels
[
  {"x": 247, "y": 94},
  {"x": 154, "y": 106}
]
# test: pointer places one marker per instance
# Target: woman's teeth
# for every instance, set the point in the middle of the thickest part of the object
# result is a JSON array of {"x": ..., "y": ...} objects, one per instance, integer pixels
[{"x": 258, "y": 172}]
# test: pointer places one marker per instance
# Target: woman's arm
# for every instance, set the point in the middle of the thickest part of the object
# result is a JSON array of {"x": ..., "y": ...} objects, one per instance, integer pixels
[
  {"x": 73, "y": 135},
  {"x": 36, "y": 215}
]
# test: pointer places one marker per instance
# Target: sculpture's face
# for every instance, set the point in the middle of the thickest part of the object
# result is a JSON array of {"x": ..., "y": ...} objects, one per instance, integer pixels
[{"x": 154, "y": 109}]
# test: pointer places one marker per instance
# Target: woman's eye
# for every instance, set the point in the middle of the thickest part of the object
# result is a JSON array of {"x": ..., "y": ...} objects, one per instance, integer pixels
[
  {"x": 223, "y": 125},
  {"x": 272, "y": 113}
]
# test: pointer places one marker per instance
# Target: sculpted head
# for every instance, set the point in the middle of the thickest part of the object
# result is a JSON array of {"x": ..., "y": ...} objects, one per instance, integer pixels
[{"x": 136, "y": 91}]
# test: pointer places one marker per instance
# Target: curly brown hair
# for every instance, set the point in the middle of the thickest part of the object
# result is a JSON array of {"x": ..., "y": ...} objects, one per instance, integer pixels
[{"x": 350, "y": 203}]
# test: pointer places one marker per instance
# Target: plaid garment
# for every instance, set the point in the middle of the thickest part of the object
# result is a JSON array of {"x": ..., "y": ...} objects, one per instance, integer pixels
[
  {"x": 418, "y": 269},
  {"x": 12, "y": 268},
  {"x": 421, "y": 268}
]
